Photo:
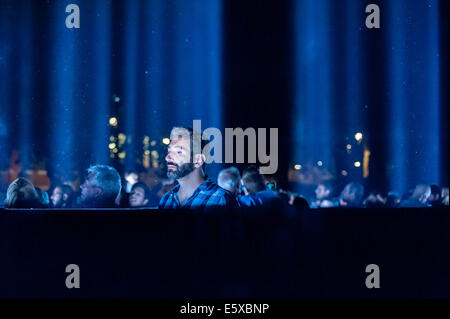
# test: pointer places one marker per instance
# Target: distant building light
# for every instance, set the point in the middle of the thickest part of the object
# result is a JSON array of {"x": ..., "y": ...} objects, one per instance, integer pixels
[
  {"x": 113, "y": 121},
  {"x": 344, "y": 172},
  {"x": 366, "y": 163},
  {"x": 166, "y": 141},
  {"x": 146, "y": 161},
  {"x": 297, "y": 167},
  {"x": 153, "y": 143},
  {"x": 122, "y": 155},
  {"x": 147, "y": 152},
  {"x": 112, "y": 146},
  {"x": 116, "y": 99},
  {"x": 357, "y": 164},
  {"x": 349, "y": 147},
  {"x": 358, "y": 137},
  {"x": 319, "y": 163},
  {"x": 115, "y": 150},
  {"x": 112, "y": 138}
]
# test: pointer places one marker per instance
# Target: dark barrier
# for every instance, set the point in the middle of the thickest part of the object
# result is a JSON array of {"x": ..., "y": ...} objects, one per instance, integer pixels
[{"x": 168, "y": 254}]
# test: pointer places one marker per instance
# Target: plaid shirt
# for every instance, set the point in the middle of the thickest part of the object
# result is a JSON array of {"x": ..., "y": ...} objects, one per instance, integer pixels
[{"x": 207, "y": 195}]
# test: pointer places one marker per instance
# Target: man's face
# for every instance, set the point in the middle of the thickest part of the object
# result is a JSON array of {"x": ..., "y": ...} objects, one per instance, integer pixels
[
  {"x": 89, "y": 190},
  {"x": 347, "y": 194},
  {"x": 137, "y": 197},
  {"x": 57, "y": 197},
  {"x": 322, "y": 192},
  {"x": 178, "y": 158}
]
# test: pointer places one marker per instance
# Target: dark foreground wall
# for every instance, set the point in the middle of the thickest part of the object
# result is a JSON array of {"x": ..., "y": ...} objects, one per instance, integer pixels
[{"x": 156, "y": 254}]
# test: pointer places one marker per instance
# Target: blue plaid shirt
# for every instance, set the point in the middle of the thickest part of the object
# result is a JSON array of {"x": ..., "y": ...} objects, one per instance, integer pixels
[{"x": 207, "y": 195}]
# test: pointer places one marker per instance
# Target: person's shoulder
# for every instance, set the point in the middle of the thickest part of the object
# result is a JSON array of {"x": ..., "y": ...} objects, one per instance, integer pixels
[
  {"x": 219, "y": 192},
  {"x": 249, "y": 200},
  {"x": 167, "y": 196},
  {"x": 267, "y": 193},
  {"x": 211, "y": 187}
]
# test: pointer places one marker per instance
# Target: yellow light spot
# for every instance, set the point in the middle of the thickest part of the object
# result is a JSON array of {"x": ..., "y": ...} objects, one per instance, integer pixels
[
  {"x": 122, "y": 155},
  {"x": 344, "y": 172},
  {"x": 115, "y": 150},
  {"x": 147, "y": 152},
  {"x": 155, "y": 154},
  {"x": 297, "y": 167},
  {"x": 357, "y": 164},
  {"x": 349, "y": 147},
  {"x": 166, "y": 141},
  {"x": 112, "y": 146},
  {"x": 146, "y": 139},
  {"x": 113, "y": 121},
  {"x": 319, "y": 163},
  {"x": 153, "y": 143},
  {"x": 146, "y": 161},
  {"x": 358, "y": 136},
  {"x": 112, "y": 138}
]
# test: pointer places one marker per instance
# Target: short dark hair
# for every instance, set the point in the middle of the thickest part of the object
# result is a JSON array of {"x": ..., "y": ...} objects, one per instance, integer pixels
[
  {"x": 67, "y": 190},
  {"x": 144, "y": 187},
  {"x": 436, "y": 190},
  {"x": 254, "y": 182}
]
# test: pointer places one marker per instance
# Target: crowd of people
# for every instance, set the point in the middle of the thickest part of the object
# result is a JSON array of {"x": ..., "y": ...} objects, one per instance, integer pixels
[{"x": 191, "y": 188}]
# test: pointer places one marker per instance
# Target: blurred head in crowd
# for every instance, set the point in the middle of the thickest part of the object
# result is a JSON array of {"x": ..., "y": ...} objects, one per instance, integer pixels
[
  {"x": 374, "y": 200},
  {"x": 62, "y": 196},
  {"x": 101, "y": 187},
  {"x": 418, "y": 198},
  {"x": 181, "y": 160},
  {"x": 435, "y": 198},
  {"x": 323, "y": 191},
  {"x": 421, "y": 193},
  {"x": 21, "y": 194},
  {"x": 300, "y": 203},
  {"x": 444, "y": 196},
  {"x": 444, "y": 192},
  {"x": 44, "y": 200},
  {"x": 392, "y": 200},
  {"x": 139, "y": 196},
  {"x": 253, "y": 182},
  {"x": 230, "y": 179},
  {"x": 352, "y": 195},
  {"x": 435, "y": 193}
]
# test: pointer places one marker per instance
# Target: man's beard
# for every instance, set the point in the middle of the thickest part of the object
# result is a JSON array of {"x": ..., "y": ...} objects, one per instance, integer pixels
[{"x": 181, "y": 171}]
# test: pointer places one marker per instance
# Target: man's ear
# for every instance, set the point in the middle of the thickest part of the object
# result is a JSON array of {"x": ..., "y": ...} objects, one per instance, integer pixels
[{"x": 199, "y": 160}]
